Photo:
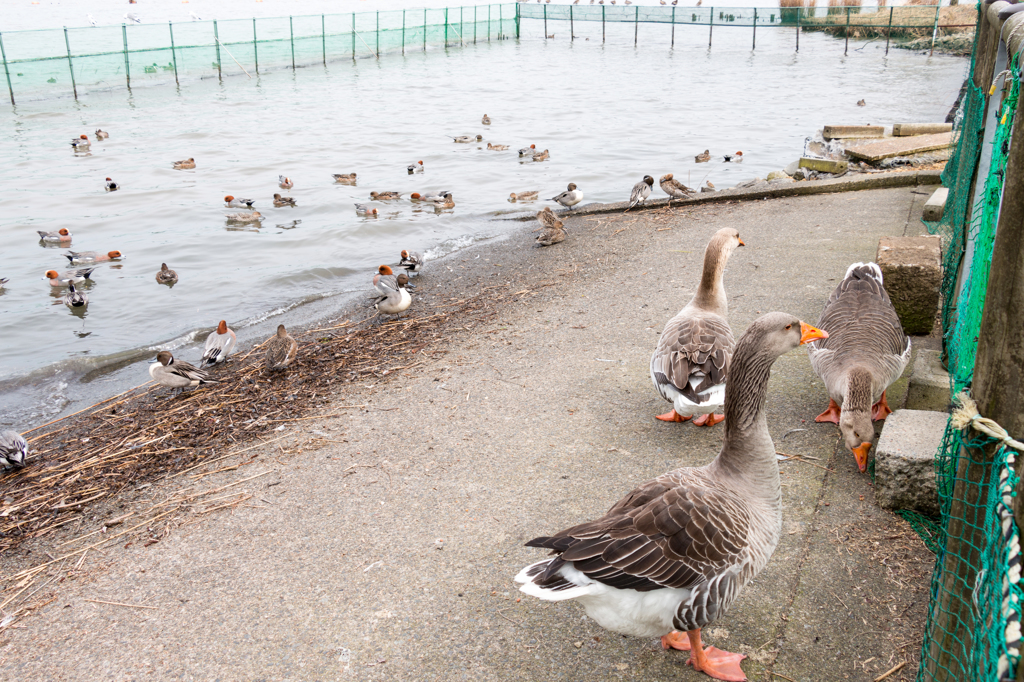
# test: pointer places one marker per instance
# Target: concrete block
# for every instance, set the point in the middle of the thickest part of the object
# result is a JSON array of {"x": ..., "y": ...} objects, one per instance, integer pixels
[
  {"x": 905, "y": 460},
  {"x": 936, "y": 204},
  {"x": 851, "y": 132},
  {"x": 900, "y": 146},
  {"x": 929, "y": 383},
  {"x": 824, "y": 165},
  {"x": 905, "y": 129},
  {"x": 912, "y": 272},
  {"x": 791, "y": 168}
]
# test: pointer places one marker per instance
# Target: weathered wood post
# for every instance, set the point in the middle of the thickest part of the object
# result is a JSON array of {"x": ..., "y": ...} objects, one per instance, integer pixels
[
  {"x": 572, "y": 31},
  {"x": 754, "y": 45},
  {"x": 255, "y": 48},
  {"x": 291, "y": 33},
  {"x": 174, "y": 56},
  {"x": 7, "y": 72},
  {"x": 216, "y": 40},
  {"x": 888, "y": 31},
  {"x": 673, "y": 26},
  {"x": 711, "y": 27},
  {"x": 378, "y": 37},
  {"x": 71, "y": 67},
  {"x": 846, "y": 32},
  {"x": 323, "y": 36},
  {"x": 127, "y": 66}
]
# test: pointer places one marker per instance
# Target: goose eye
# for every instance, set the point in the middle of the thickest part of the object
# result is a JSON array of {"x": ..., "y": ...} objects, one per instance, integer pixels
[{"x": 789, "y": 326}]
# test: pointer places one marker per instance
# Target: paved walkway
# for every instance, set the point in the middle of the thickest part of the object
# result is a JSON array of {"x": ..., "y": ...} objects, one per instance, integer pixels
[{"x": 382, "y": 544}]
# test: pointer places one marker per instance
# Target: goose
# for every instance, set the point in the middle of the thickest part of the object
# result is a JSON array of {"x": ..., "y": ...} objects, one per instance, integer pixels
[
  {"x": 165, "y": 275},
  {"x": 110, "y": 185},
  {"x": 413, "y": 168},
  {"x": 281, "y": 349},
  {"x": 81, "y": 143},
  {"x": 542, "y": 156},
  {"x": 280, "y": 201},
  {"x": 393, "y": 298},
  {"x": 101, "y": 134},
  {"x": 704, "y": 157},
  {"x": 552, "y": 230},
  {"x": 61, "y": 235},
  {"x": 467, "y": 139},
  {"x": 284, "y": 183},
  {"x": 675, "y": 553},
  {"x": 185, "y": 164},
  {"x": 219, "y": 345},
  {"x": 80, "y": 257},
  {"x": 691, "y": 361},
  {"x": 253, "y": 217},
  {"x": 62, "y": 279},
  {"x": 674, "y": 188},
  {"x": 570, "y": 197},
  {"x": 497, "y": 147},
  {"x": 74, "y": 298},
  {"x": 385, "y": 196},
  {"x": 345, "y": 178},
  {"x": 13, "y": 450},
  {"x": 486, "y": 120},
  {"x": 231, "y": 202},
  {"x": 167, "y": 371},
  {"x": 412, "y": 261},
  {"x": 528, "y": 151},
  {"x": 363, "y": 209},
  {"x": 641, "y": 191},
  {"x": 523, "y": 196},
  {"x": 866, "y": 351}
]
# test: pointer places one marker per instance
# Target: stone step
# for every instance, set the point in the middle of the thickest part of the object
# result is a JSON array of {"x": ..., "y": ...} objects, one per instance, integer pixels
[
  {"x": 851, "y": 132},
  {"x": 824, "y": 165},
  {"x": 900, "y": 146},
  {"x": 936, "y": 204},
  {"x": 905, "y": 460},
  {"x": 905, "y": 129}
]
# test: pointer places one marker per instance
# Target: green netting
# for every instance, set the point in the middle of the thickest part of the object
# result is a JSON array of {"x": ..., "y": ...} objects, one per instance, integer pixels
[{"x": 68, "y": 62}]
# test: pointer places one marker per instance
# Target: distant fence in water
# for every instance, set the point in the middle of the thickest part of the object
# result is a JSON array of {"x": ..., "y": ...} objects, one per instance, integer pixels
[{"x": 61, "y": 62}]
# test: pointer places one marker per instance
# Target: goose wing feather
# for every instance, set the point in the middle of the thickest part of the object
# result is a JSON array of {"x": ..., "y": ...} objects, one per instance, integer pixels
[{"x": 693, "y": 347}]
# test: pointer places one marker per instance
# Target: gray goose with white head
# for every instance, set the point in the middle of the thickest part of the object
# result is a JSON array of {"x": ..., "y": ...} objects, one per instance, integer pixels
[
  {"x": 866, "y": 351},
  {"x": 675, "y": 553}
]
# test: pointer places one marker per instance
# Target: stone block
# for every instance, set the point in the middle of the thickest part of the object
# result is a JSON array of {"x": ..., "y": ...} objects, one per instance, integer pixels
[
  {"x": 905, "y": 460},
  {"x": 905, "y": 129},
  {"x": 851, "y": 132},
  {"x": 912, "y": 272},
  {"x": 778, "y": 175},
  {"x": 936, "y": 204},
  {"x": 824, "y": 165},
  {"x": 929, "y": 383},
  {"x": 900, "y": 146}
]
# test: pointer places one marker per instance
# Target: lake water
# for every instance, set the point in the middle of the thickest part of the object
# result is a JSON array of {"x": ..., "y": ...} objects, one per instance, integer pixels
[{"x": 609, "y": 114}]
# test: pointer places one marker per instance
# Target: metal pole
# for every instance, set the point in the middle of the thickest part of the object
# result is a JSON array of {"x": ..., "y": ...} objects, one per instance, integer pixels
[
  {"x": 323, "y": 37},
  {"x": 3, "y": 54},
  {"x": 935, "y": 31},
  {"x": 572, "y": 31},
  {"x": 846, "y": 31},
  {"x": 711, "y": 30},
  {"x": 888, "y": 31},
  {"x": 403, "y": 31},
  {"x": 446, "y": 27},
  {"x": 474, "y": 24},
  {"x": 71, "y": 66},
  {"x": 255, "y": 49},
  {"x": 602, "y": 24},
  {"x": 673, "y": 25},
  {"x": 216, "y": 39},
  {"x": 127, "y": 67},
  {"x": 489, "y": 21},
  {"x": 545, "y": 22},
  {"x": 754, "y": 46},
  {"x": 636, "y": 25},
  {"x": 174, "y": 56},
  {"x": 378, "y": 36},
  {"x": 424, "y": 30},
  {"x": 354, "y": 36},
  {"x": 291, "y": 32},
  {"x": 798, "y": 36}
]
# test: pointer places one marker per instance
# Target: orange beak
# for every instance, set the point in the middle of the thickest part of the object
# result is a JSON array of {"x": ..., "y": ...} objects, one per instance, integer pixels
[
  {"x": 861, "y": 454},
  {"x": 740, "y": 241},
  {"x": 809, "y": 333}
]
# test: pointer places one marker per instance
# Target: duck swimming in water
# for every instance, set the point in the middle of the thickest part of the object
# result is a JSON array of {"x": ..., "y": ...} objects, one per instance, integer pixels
[
  {"x": 703, "y": 158},
  {"x": 284, "y": 183},
  {"x": 345, "y": 178},
  {"x": 523, "y": 196},
  {"x": 280, "y": 201},
  {"x": 81, "y": 143},
  {"x": 385, "y": 196},
  {"x": 232, "y": 202},
  {"x": 74, "y": 298},
  {"x": 165, "y": 275},
  {"x": 186, "y": 164},
  {"x": 253, "y": 217},
  {"x": 82, "y": 257},
  {"x": 62, "y": 235},
  {"x": 415, "y": 167},
  {"x": 63, "y": 279},
  {"x": 110, "y": 185},
  {"x": 363, "y": 209},
  {"x": 467, "y": 139}
]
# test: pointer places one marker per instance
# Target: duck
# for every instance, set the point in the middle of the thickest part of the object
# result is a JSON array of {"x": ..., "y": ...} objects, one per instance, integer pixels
[
  {"x": 81, "y": 257},
  {"x": 185, "y": 164},
  {"x": 672, "y": 555},
  {"x": 542, "y": 156},
  {"x": 75, "y": 298},
  {"x": 219, "y": 345},
  {"x": 110, "y": 185},
  {"x": 552, "y": 230},
  {"x": 3, "y": 281},
  {"x": 363, "y": 209},
  {"x": 433, "y": 196},
  {"x": 253, "y": 217},
  {"x": 62, "y": 235},
  {"x": 232, "y": 202},
  {"x": 393, "y": 298},
  {"x": 13, "y": 450},
  {"x": 690, "y": 364},
  {"x": 167, "y": 371},
  {"x": 415, "y": 167},
  {"x": 284, "y": 182},
  {"x": 674, "y": 188},
  {"x": 345, "y": 178},
  {"x": 570, "y": 197},
  {"x": 385, "y": 196},
  {"x": 734, "y": 158},
  {"x": 865, "y": 353},
  {"x": 528, "y": 151},
  {"x": 412, "y": 261},
  {"x": 861, "y": 103},
  {"x": 703, "y": 157},
  {"x": 81, "y": 143},
  {"x": 101, "y": 135},
  {"x": 497, "y": 147},
  {"x": 641, "y": 191},
  {"x": 486, "y": 120},
  {"x": 447, "y": 201},
  {"x": 280, "y": 201},
  {"x": 523, "y": 196},
  {"x": 467, "y": 139},
  {"x": 281, "y": 350},
  {"x": 675, "y": 2},
  {"x": 165, "y": 275},
  {"x": 62, "y": 279},
  {"x": 132, "y": 16}
]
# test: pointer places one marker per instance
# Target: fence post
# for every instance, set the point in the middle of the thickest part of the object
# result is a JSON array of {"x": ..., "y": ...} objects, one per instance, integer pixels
[
  {"x": 378, "y": 35},
  {"x": 711, "y": 27},
  {"x": 216, "y": 40},
  {"x": 255, "y": 48},
  {"x": 572, "y": 31},
  {"x": 323, "y": 37},
  {"x": 888, "y": 31},
  {"x": 673, "y": 25},
  {"x": 474, "y": 24},
  {"x": 174, "y": 56},
  {"x": 545, "y": 8},
  {"x": 291, "y": 34},
  {"x": 71, "y": 66},
  {"x": 517, "y": 18},
  {"x": 602, "y": 24},
  {"x": 353, "y": 36},
  {"x": 446, "y": 27},
  {"x": 636, "y": 25},
  {"x": 754, "y": 46},
  {"x": 3, "y": 53},
  {"x": 403, "y": 32},
  {"x": 424, "y": 30},
  {"x": 127, "y": 66},
  {"x": 500, "y": 19},
  {"x": 846, "y": 33},
  {"x": 798, "y": 35},
  {"x": 489, "y": 20},
  {"x": 935, "y": 30}
]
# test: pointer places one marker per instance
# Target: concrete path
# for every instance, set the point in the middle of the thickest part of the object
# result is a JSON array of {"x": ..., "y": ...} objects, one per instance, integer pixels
[{"x": 382, "y": 544}]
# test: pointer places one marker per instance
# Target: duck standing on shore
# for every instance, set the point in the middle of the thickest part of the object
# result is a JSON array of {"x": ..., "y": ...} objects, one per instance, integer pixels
[
  {"x": 166, "y": 276},
  {"x": 866, "y": 351},
  {"x": 219, "y": 345},
  {"x": 552, "y": 230},
  {"x": 412, "y": 261},
  {"x": 691, "y": 361},
  {"x": 281, "y": 350},
  {"x": 641, "y": 191},
  {"x": 13, "y": 450},
  {"x": 394, "y": 298},
  {"x": 674, "y": 554},
  {"x": 570, "y": 197},
  {"x": 674, "y": 188},
  {"x": 167, "y": 371}
]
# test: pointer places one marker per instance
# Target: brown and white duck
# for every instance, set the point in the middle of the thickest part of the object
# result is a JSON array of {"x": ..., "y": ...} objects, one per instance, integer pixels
[
  {"x": 185, "y": 164},
  {"x": 281, "y": 349},
  {"x": 866, "y": 351},
  {"x": 552, "y": 230},
  {"x": 703, "y": 157},
  {"x": 675, "y": 553},
  {"x": 691, "y": 362},
  {"x": 674, "y": 188}
]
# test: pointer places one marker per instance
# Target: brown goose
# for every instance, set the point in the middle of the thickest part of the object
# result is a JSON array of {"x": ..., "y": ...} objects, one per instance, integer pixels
[
  {"x": 676, "y": 552},
  {"x": 865, "y": 352},
  {"x": 690, "y": 364}
]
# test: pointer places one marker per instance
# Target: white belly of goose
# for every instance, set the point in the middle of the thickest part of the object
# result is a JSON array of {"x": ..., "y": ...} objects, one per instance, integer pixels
[
  {"x": 687, "y": 408},
  {"x": 395, "y": 303}
]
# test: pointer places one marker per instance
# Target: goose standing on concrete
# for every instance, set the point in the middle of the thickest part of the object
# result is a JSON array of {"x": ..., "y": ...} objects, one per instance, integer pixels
[
  {"x": 641, "y": 191},
  {"x": 281, "y": 349},
  {"x": 13, "y": 450},
  {"x": 866, "y": 351},
  {"x": 219, "y": 345},
  {"x": 673, "y": 554},
  {"x": 570, "y": 197},
  {"x": 691, "y": 362},
  {"x": 167, "y": 371}
]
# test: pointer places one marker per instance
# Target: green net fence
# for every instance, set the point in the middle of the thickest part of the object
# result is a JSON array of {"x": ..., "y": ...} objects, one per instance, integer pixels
[
  {"x": 973, "y": 626},
  {"x": 69, "y": 62}
]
